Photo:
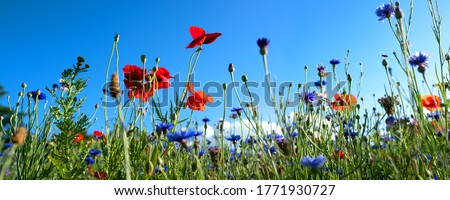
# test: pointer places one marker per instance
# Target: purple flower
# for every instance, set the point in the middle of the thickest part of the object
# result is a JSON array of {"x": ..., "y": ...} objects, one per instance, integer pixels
[
  {"x": 163, "y": 126},
  {"x": 181, "y": 135},
  {"x": 263, "y": 43},
  {"x": 307, "y": 96},
  {"x": 321, "y": 68},
  {"x": 334, "y": 62},
  {"x": 89, "y": 160},
  {"x": 317, "y": 83},
  {"x": 7, "y": 145},
  {"x": 206, "y": 120},
  {"x": 313, "y": 162},
  {"x": 384, "y": 11},
  {"x": 41, "y": 96},
  {"x": 95, "y": 152},
  {"x": 419, "y": 59},
  {"x": 391, "y": 121},
  {"x": 237, "y": 110},
  {"x": 233, "y": 138}
]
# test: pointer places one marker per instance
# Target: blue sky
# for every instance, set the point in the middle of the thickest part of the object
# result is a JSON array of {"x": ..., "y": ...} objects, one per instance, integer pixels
[{"x": 38, "y": 39}]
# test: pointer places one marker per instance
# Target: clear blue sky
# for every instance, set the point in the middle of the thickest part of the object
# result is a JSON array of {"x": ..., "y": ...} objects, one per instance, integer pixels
[{"x": 38, "y": 39}]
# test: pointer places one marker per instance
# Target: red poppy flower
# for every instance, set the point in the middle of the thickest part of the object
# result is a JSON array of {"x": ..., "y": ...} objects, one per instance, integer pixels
[
  {"x": 343, "y": 102},
  {"x": 141, "y": 88},
  {"x": 141, "y": 93},
  {"x": 133, "y": 76},
  {"x": 431, "y": 102},
  {"x": 162, "y": 77},
  {"x": 100, "y": 175},
  {"x": 99, "y": 135},
  {"x": 198, "y": 100},
  {"x": 338, "y": 154},
  {"x": 201, "y": 37},
  {"x": 78, "y": 138}
]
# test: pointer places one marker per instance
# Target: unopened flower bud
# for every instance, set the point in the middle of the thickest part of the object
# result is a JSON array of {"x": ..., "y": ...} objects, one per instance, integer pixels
[
  {"x": 231, "y": 68},
  {"x": 306, "y": 67},
  {"x": 398, "y": 12},
  {"x": 20, "y": 94},
  {"x": 87, "y": 66},
  {"x": 157, "y": 59},
  {"x": 385, "y": 63},
  {"x": 349, "y": 78},
  {"x": 244, "y": 78},
  {"x": 224, "y": 86},
  {"x": 116, "y": 38},
  {"x": 447, "y": 57},
  {"x": 18, "y": 137},
  {"x": 143, "y": 58},
  {"x": 299, "y": 85},
  {"x": 80, "y": 59},
  {"x": 96, "y": 106},
  {"x": 24, "y": 85}
]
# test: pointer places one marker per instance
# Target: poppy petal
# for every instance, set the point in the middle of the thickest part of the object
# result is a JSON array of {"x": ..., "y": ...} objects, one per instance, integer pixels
[
  {"x": 196, "y": 32},
  {"x": 190, "y": 88},
  {"x": 211, "y": 37},
  {"x": 196, "y": 42}
]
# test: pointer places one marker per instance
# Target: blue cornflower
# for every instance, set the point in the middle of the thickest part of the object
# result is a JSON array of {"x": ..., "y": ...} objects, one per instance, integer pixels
[
  {"x": 251, "y": 140},
  {"x": 55, "y": 87},
  {"x": 312, "y": 162},
  {"x": 436, "y": 115},
  {"x": 317, "y": 83},
  {"x": 163, "y": 126},
  {"x": 206, "y": 120},
  {"x": 89, "y": 160},
  {"x": 233, "y": 138},
  {"x": 384, "y": 11},
  {"x": 1, "y": 154},
  {"x": 348, "y": 131},
  {"x": 198, "y": 133},
  {"x": 237, "y": 110},
  {"x": 335, "y": 62},
  {"x": 166, "y": 168},
  {"x": 7, "y": 145},
  {"x": 201, "y": 153},
  {"x": 307, "y": 96},
  {"x": 95, "y": 152},
  {"x": 294, "y": 134},
  {"x": 273, "y": 150},
  {"x": 390, "y": 121},
  {"x": 41, "y": 96},
  {"x": 381, "y": 146},
  {"x": 181, "y": 135},
  {"x": 279, "y": 136},
  {"x": 321, "y": 68},
  {"x": 263, "y": 43},
  {"x": 419, "y": 59}
]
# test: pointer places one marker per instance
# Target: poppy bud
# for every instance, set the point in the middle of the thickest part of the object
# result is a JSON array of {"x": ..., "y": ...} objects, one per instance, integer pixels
[
  {"x": 20, "y": 94},
  {"x": 157, "y": 59},
  {"x": 244, "y": 78},
  {"x": 306, "y": 67},
  {"x": 143, "y": 58},
  {"x": 447, "y": 57},
  {"x": 96, "y": 106},
  {"x": 19, "y": 136},
  {"x": 299, "y": 85},
  {"x": 224, "y": 86},
  {"x": 385, "y": 63},
  {"x": 114, "y": 87},
  {"x": 349, "y": 78},
  {"x": 398, "y": 11},
  {"x": 24, "y": 85},
  {"x": 116, "y": 38},
  {"x": 231, "y": 68}
]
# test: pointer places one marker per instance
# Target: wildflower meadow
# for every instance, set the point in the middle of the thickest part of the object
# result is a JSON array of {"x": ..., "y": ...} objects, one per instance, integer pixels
[{"x": 318, "y": 129}]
